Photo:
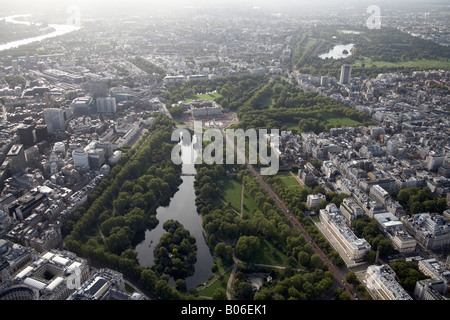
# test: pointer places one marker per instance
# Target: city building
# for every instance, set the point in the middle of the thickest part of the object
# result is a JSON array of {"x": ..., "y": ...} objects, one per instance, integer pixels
[
  {"x": 355, "y": 248},
  {"x": 380, "y": 281},
  {"x": 54, "y": 119},
  {"x": 205, "y": 108},
  {"x": 82, "y": 106},
  {"x": 106, "y": 105},
  {"x": 378, "y": 194},
  {"x": 346, "y": 71},
  {"x": 53, "y": 275},
  {"x": 435, "y": 161},
  {"x": 172, "y": 79},
  {"x": 26, "y": 135},
  {"x": 80, "y": 158},
  {"x": 313, "y": 200},
  {"x": 429, "y": 289},
  {"x": 430, "y": 230},
  {"x": 16, "y": 158},
  {"x": 104, "y": 284},
  {"x": 350, "y": 210}
]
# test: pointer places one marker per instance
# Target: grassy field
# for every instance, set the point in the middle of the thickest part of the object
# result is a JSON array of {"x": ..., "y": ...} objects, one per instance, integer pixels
[
  {"x": 205, "y": 96},
  {"x": 267, "y": 254},
  {"x": 231, "y": 192},
  {"x": 343, "y": 121},
  {"x": 217, "y": 281},
  {"x": 290, "y": 181},
  {"x": 420, "y": 64}
]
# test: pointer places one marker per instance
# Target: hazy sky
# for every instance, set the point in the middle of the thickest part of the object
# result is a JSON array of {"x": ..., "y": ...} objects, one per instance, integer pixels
[{"x": 30, "y": 6}]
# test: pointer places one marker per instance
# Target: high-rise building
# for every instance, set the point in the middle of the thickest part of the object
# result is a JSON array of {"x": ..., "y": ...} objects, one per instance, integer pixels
[
  {"x": 346, "y": 71},
  {"x": 324, "y": 81},
  {"x": 106, "y": 105},
  {"x": 54, "y": 119},
  {"x": 16, "y": 157},
  {"x": 25, "y": 133},
  {"x": 41, "y": 133},
  {"x": 434, "y": 161},
  {"x": 82, "y": 106}
]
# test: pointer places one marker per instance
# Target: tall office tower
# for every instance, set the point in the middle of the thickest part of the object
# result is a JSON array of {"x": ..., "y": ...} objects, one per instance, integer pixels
[
  {"x": 16, "y": 158},
  {"x": 346, "y": 71},
  {"x": 15, "y": 66},
  {"x": 26, "y": 136},
  {"x": 41, "y": 133},
  {"x": 54, "y": 119},
  {"x": 434, "y": 161}
]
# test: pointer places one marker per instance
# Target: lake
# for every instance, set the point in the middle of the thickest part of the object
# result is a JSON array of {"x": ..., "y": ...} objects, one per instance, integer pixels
[
  {"x": 182, "y": 208},
  {"x": 336, "y": 51}
]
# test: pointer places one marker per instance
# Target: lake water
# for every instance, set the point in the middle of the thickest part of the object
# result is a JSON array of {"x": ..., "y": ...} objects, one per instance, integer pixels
[
  {"x": 351, "y": 31},
  {"x": 182, "y": 208},
  {"x": 336, "y": 52},
  {"x": 60, "y": 29}
]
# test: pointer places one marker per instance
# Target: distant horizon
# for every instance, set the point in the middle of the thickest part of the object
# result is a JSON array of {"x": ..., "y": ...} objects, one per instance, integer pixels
[{"x": 24, "y": 5}]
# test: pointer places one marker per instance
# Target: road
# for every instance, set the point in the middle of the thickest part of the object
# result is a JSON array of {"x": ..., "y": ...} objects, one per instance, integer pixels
[{"x": 340, "y": 279}]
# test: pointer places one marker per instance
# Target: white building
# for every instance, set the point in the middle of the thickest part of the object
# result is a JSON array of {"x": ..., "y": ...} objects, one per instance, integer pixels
[
  {"x": 313, "y": 200},
  {"x": 380, "y": 281},
  {"x": 205, "y": 108},
  {"x": 378, "y": 194},
  {"x": 54, "y": 275},
  {"x": 355, "y": 248},
  {"x": 172, "y": 79},
  {"x": 80, "y": 158},
  {"x": 351, "y": 210}
]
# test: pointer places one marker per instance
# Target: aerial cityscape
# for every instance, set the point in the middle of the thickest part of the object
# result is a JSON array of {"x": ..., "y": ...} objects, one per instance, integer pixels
[{"x": 224, "y": 150}]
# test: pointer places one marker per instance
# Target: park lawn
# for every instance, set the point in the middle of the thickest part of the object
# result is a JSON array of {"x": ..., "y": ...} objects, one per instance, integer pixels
[
  {"x": 249, "y": 204},
  {"x": 292, "y": 126},
  {"x": 421, "y": 64},
  {"x": 300, "y": 187},
  {"x": 268, "y": 254},
  {"x": 205, "y": 96},
  {"x": 342, "y": 121},
  {"x": 267, "y": 103},
  {"x": 290, "y": 181},
  {"x": 231, "y": 192},
  {"x": 208, "y": 292}
]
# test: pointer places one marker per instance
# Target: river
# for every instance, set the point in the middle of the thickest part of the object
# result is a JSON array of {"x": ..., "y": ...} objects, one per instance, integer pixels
[
  {"x": 60, "y": 29},
  {"x": 182, "y": 208}
]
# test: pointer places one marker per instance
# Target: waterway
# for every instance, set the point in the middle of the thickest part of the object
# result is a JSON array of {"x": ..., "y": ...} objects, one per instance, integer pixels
[
  {"x": 60, "y": 29},
  {"x": 182, "y": 208},
  {"x": 337, "y": 52}
]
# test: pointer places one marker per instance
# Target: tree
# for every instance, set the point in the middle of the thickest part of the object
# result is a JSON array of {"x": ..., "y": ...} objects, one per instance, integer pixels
[
  {"x": 219, "y": 294},
  {"x": 303, "y": 258},
  {"x": 181, "y": 284},
  {"x": 246, "y": 247},
  {"x": 316, "y": 261},
  {"x": 352, "y": 278}
]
